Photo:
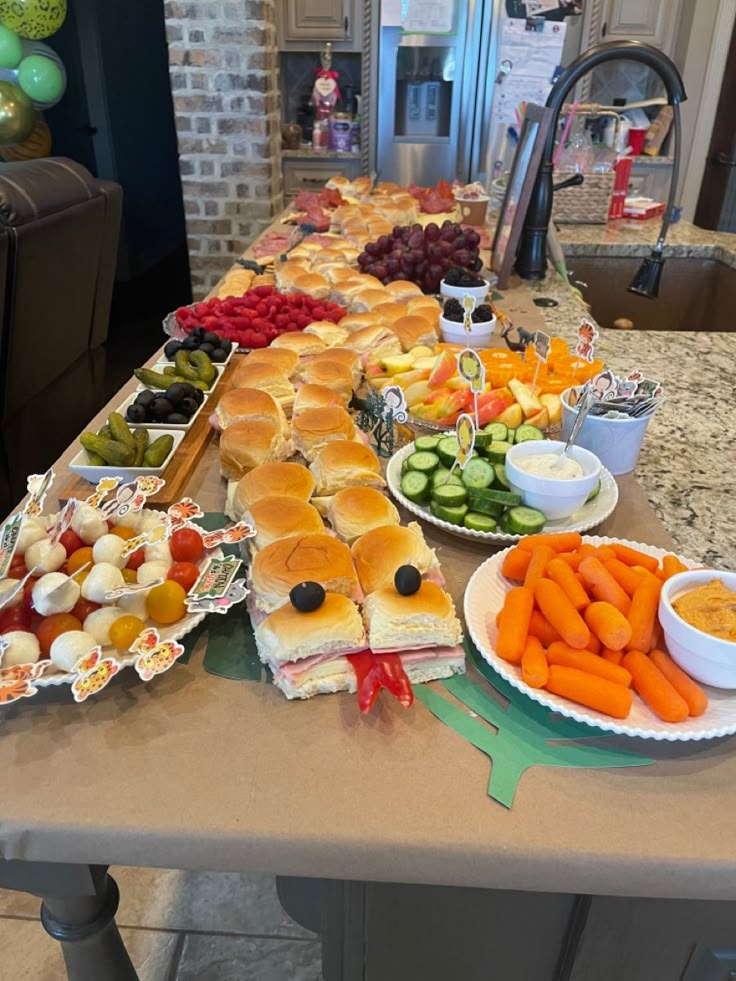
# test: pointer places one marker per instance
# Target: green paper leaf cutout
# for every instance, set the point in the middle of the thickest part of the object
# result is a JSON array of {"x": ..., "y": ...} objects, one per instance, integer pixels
[{"x": 528, "y": 734}]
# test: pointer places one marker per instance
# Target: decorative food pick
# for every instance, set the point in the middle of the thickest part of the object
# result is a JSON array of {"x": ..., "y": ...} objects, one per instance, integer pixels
[
  {"x": 469, "y": 303},
  {"x": 154, "y": 655},
  {"x": 217, "y": 589},
  {"x": 587, "y": 336},
  {"x": 377, "y": 671},
  {"x": 93, "y": 673},
  {"x": 542, "y": 342},
  {"x": 307, "y": 597},
  {"x": 465, "y": 433},
  {"x": 17, "y": 682},
  {"x": 407, "y": 580},
  {"x": 38, "y": 485},
  {"x": 377, "y": 413},
  {"x": 617, "y": 398},
  {"x": 8, "y": 541},
  {"x": 471, "y": 368}
]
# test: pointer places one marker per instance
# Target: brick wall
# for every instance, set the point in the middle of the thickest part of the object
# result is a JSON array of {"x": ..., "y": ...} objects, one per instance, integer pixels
[{"x": 223, "y": 63}]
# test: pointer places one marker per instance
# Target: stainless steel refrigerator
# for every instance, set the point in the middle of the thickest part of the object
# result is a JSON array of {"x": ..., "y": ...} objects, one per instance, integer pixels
[{"x": 434, "y": 98}]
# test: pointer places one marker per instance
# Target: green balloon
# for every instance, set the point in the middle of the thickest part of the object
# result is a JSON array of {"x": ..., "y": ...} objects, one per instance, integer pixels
[
  {"x": 40, "y": 78},
  {"x": 11, "y": 50},
  {"x": 34, "y": 19},
  {"x": 17, "y": 115}
]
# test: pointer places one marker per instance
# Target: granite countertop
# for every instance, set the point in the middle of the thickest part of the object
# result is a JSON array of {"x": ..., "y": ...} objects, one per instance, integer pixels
[
  {"x": 630, "y": 237},
  {"x": 689, "y": 453}
]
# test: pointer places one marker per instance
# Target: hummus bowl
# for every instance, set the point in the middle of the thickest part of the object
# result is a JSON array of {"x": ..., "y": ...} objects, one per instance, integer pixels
[{"x": 707, "y": 658}]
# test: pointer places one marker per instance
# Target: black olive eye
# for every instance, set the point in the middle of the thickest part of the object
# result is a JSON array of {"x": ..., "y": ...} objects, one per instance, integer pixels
[
  {"x": 407, "y": 580},
  {"x": 307, "y": 596}
]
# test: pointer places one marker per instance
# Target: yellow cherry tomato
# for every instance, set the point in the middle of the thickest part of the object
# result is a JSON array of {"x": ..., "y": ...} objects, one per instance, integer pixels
[
  {"x": 79, "y": 558},
  {"x": 124, "y": 631},
  {"x": 79, "y": 577},
  {"x": 166, "y": 603},
  {"x": 123, "y": 532},
  {"x": 130, "y": 575}
]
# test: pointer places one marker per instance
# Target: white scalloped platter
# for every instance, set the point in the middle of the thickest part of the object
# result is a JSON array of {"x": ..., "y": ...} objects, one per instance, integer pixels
[
  {"x": 484, "y": 597},
  {"x": 590, "y": 515}
]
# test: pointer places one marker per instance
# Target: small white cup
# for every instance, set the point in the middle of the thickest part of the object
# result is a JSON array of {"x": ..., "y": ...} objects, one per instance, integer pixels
[
  {"x": 458, "y": 292},
  {"x": 554, "y": 497},
  {"x": 479, "y": 337},
  {"x": 616, "y": 442}
]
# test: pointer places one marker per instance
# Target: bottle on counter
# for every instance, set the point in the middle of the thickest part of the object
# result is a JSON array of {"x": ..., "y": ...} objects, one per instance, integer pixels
[
  {"x": 355, "y": 135},
  {"x": 340, "y": 132},
  {"x": 320, "y": 134}
]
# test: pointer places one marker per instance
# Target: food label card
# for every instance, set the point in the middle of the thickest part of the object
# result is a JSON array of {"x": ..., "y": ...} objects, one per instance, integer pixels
[
  {"x": 217, "y": 590},
  {"x": 394, "y": 402},
  {"x": 542, "y": 343},
  {"x": 8, "y": 542}
]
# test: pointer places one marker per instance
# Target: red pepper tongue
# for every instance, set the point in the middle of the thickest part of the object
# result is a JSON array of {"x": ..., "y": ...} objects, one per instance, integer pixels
[{"x": 377, "y": 671}]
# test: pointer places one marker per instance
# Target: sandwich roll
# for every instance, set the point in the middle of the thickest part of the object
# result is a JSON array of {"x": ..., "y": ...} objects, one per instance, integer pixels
[
  {"x": 246, "y": 445},
  {"x": 335, "y": 375},
  {"x": 248, "y": 404},
  {"x": 266, "y": 378},
  {"x": 345, "y": 464},
  {"x": 300, "y": 343},
  {"x": 425, "y": 619},
  {"x": 271, "y": 480},
  {"x": 356, "y": 510},
  {"x": 309, "y": 396},
  {"x": 368, "y": 299},
  {"x": 402, "y": 289},
  {"x": 380, "y": 552},
  {"x": 331, "y": 334},
  {"x": 357, "y": 321},
  {"x": 314, "y": 428},
  {"x": 280, "y": 517},
  {"x": 313, "y": 284},
  {"x": 376, "y": 341},
  {"x": 286, "y": 635},
  {"x": 413, "y": 331},
  {"x": 319, "y": 558},
  {"x": 279, "y": 358}
]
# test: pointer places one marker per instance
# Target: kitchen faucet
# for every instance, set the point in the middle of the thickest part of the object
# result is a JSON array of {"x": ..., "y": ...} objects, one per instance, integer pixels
[{"x": 531, "y": 261}]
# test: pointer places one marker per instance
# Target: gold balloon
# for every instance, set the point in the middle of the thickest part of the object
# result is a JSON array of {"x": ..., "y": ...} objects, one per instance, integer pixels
[
  {"x": 36, "y": 146},
  {"x": 34, "y": 19},
  {"x": 17, "y": 115}
]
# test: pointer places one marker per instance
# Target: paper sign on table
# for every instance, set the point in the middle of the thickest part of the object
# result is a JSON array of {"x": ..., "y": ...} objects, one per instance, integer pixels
[{"x": 217, "y": 590}]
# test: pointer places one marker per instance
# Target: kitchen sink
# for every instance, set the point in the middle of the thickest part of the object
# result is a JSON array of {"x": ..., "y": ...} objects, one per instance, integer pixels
[{"x": 694, "y": 294}]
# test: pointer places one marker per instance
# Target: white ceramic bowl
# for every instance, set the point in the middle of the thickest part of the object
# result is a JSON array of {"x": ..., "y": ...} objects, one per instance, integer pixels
[
  {"x": 554, "y": 498},
  {"x": 709, "y": 659},
  {"x": 479, "y": 336},
  {"x": 458, "y": 292}
]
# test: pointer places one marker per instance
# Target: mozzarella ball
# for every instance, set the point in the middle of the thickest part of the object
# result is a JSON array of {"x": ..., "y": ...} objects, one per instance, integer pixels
[
  {"x": 109, "y": 548},
  {"x": 98, "y": 623},
  {"x": 23, "y": 648},
  {"x": 134, "y": 604},
  {"x": 67, "y": 649},
  {"x": 88, "y": 524},
  {"x": 149, "y": 519},
  {"x": 62, "y": 601},
  {"x": 133, "y": 519},
  {"x": 152, "y": 570},
  {"x": 5, "y": 586},
  {"x": 158, "y": 553},
  {"x": 101, "y": 578},
  {"x": 44, "y": 556},
  {"x": 31, "y": 530}
]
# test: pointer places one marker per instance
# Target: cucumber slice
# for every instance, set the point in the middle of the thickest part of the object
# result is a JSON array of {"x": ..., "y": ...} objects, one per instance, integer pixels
[
  {"x": 482, "y": 440},
  {"x": 511, "y": 436},
  {"x": 502, "y": 481},
  {"x": 423, "y": 462},
  {"x": 525, "y": 433},
  {"x": 497, "y": 451},
  {"x": 404, "y": 466},
  {"x": 478, "y": 473},
  {"x": 443, "y": 476},
  {"x": 504, "y": 525},
  {"x": 449, "y": 495},
  {"x": 497, "y": 430},
  {"x": 491, "y": 508},
  {"x": 415, "y": 486},
  {"x": 454, "y": 515},
  {"x": 426, "y": 443},
  {"x": 594, "y": 493},
  {"x": 525, "y": 521},
  {"x": 447, "y": 450},
  {"x": 479, "y": 522},
  {"x": 507, "y": 498}
]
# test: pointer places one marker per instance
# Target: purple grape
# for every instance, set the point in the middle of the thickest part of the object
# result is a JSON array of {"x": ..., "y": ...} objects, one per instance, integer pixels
[
  {"x": 421, "y": 268},
  {"x": 463, "y": 258},
  {"x": 396, "y": 231},
  {"x": 364, "y": 260},
  {"x": 477, "y": 264},
  {"x": 434, "y": 252},
  {"x": 435, "y": 271},
  {"x": 432, "y": 232},
  {"x": 473, "y": 238},
  {"x": 447, "y": 223},
  {"x": 379, "y": 271},
  {"x": 392, "y": 266},
  {"x": 416, "y": 241},
  {"x": 372, "y": 249},
  {"x": 461, "y": 242}
]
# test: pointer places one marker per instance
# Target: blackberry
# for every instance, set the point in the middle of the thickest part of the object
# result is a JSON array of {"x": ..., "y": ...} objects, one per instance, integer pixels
[
  {"x": 454, "y": 311},
  {"x": 482, "y": 314}
]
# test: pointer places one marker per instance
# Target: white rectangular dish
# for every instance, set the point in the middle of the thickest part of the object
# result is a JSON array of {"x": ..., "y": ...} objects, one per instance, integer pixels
[
  {"x": 79, "y": 464},
  {"x": 158, "y": 425}
]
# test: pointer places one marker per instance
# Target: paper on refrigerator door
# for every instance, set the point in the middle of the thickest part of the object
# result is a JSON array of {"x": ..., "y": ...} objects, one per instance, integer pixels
[
  {"x": 532, "y": 53},
  {"x": 391, "y": 15},
  {"x": 428, "y": 16},
  {"x": 515, "y": 90}
]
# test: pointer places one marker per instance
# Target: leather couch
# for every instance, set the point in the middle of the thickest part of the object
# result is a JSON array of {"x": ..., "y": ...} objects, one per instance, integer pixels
[{"x": 59, "y": 231}]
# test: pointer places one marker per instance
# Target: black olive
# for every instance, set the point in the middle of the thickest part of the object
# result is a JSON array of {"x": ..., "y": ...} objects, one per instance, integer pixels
[
  {"x": 188, "y": 406},
  {"x": 136, "y": 413},
  {"x": 160, "y": 409},
  {"x": 170, "y": 349},
  {"x": 307, "y": 596},
  {"x": 207, "y": 349},
  {"x": 176, "y": 419},
  {"x": 219, "y": 354},
  {"x": 190, "y": 344},
  {"x": 198, "y": 332},
  {"x": 145, "y": 397},
  {"x": 407, "y": 580},
  {"x": 197, "y": 395},
  {"x": 226, "y": 344},
  {"x": 210, "y": 338},
  {"x": 177, "y": 391}
]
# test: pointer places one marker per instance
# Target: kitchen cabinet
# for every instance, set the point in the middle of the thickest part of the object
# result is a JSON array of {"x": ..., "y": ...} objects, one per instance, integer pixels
[
  {"x": 650, "y": 21},
  {"x": 305, "y": 25}
]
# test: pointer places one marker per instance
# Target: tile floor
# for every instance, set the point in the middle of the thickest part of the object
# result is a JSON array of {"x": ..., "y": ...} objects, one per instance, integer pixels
[{"x": 177, "y": 926}]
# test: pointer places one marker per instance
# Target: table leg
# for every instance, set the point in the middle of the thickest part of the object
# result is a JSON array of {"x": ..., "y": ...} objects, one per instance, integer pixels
[{"x": 78, "y": 910}]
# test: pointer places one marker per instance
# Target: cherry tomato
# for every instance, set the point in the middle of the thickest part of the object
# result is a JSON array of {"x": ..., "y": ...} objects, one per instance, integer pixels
[
  {"x": 15, "y": 618},
  {"x": 71, "y": 541},
  {"x": 129, "y": 575},
  {"x": 186, "y": 545},
  {"x": 18, "y": 568},
  {"x": 185, "y": 573},
  {"x": 82, "y": 609},
  {"x": 79, "y": 558},
  {"x": 124, "y": 631},
  {"x": 27, "y": 595},
  {"x": 122, "y": 531},
  {"x": 52, "y": 627},
  {"x": 136, "y": 559},
  {"x": 165, "y": 603}
]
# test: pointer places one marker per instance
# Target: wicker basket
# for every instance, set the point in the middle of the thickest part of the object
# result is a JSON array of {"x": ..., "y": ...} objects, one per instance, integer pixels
[{"x": 586, "y": 204}]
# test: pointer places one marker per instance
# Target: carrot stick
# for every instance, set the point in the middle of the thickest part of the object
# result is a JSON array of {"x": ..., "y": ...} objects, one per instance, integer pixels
[
  {"x": 697, "y": 700},
  {"x": 594, "y": 645},
  {"x": 566, "y": 541},
  {"x": 561, "y": 573},
  {"x": 560, "y": 612},
  {"x": 586, "y": 689},
  {"x": 514, "y": 625},
  {"x": 599, "y": 581},
  {"x": 515, "y": 564},
  {"x": 573, "y": 559},
  {"x": 541, "y": 628},
  {"x": 632, "y": 556},
  {"x": 541, "y": 555},
  {"x": 534, "y": 664},
  {"x": 671, "y": 565},
  {"x": 625, "y": 576},
  {"x": 609, "y": 625},
  {"x": 661, "y": 697},
  {"x": 614, "y": 657},
  {"x": 568, "y": 657},
  {"x": 604, "y": 553},
  {"x": 643, "y": 615},
  {"x": 657, "y": 640}
]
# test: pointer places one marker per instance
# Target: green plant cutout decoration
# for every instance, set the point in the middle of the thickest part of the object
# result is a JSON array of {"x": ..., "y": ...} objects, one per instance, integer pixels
[
  {"x": 376, "y": 417},
  {"x": 528, "y": 734}
]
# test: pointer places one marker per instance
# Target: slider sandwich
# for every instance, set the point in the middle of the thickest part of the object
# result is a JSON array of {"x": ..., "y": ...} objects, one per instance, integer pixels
[
  {"x": 314, "y": 428},
  {"x": 279, "y": 358},
  {"x": 245, "y": 445},
  {"x": 345, "y": 464},
  {"x": 380, "y": 552},
  {"x": 269, "y": 480},
  {"x": 310, "y": 396},
  {"x": 247, "y": 405},
  {"x": 266, "y": 378},
  {"x": 300, "y": 343},
  {"x": 330, "y": 334},
  {"x": 280, "y": 517},
  {"x": 336, "y": 375},
  {"x": 357, "y": 510}
]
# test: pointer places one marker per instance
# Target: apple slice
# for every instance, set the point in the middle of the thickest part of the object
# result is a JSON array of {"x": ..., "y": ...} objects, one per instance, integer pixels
[
  {"x": 511, "y": 417},
  {"x": 394, "y": 364},
  {"x": 553, "y": 405},
  {"x": 539, "y": 419},
  {"x": 529, "y": 403},
  {"x": 416, "y": 393}
]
